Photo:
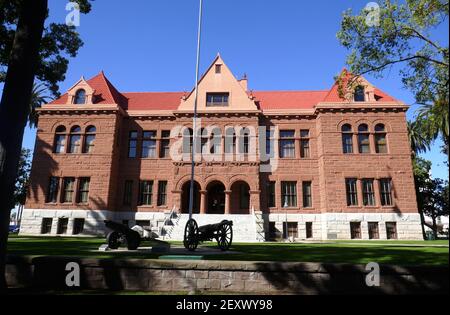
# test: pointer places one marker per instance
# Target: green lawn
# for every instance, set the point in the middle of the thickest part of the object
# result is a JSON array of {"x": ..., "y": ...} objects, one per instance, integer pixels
[{"x": 388, "y": 252}]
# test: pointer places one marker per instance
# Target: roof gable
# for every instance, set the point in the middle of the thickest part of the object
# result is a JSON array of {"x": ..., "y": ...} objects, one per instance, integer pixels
[{"x": 223, "y": 82}]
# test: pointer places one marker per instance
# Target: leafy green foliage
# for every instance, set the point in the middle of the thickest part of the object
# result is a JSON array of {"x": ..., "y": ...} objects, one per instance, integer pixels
[
  {"x": 59, "y": 42},
  {"x": 404, "y": 38},
  {"x": 23, "y": 177},
  {"x": 432, "y": 193}
]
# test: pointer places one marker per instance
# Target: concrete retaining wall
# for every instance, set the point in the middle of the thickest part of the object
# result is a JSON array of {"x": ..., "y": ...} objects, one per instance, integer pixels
[{"x": 226, "y": 276}]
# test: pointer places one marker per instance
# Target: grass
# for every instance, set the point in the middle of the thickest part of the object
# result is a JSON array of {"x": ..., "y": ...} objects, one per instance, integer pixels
[{"x": 388, "y": 252}]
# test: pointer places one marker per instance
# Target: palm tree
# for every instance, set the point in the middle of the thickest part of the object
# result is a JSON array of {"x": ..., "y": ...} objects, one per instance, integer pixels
[
  {"x": 418, "y": 140},
  {"x": 38, "y": 97},
  {"x": 434, "y": 120}
]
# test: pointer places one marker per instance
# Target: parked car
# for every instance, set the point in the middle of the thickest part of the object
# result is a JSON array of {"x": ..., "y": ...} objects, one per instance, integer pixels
[{"x": 14, "y": 229}]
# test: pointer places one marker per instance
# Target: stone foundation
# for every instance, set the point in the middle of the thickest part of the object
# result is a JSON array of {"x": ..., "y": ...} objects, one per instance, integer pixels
[{"x": 324, "y": 226}]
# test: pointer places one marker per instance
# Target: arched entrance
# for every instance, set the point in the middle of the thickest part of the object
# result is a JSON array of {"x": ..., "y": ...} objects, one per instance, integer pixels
[
  {"x": 240, "y": 198},
  {"x": 216, "y": 198},
  {"x": 185, "y": 197}
]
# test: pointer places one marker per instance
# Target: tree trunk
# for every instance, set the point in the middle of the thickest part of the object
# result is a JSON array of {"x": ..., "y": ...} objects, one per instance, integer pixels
[
  {"x": 422, "y": 223},
  {"x": 435, "y": 233},
  {"x": 14, "y": 108}
]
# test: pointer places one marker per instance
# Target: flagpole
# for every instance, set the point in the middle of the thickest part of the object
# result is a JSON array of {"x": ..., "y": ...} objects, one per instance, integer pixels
[{"x": 194, "y": 125}]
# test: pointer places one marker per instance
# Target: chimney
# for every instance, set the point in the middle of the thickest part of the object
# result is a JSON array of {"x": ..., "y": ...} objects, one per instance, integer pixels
[{"x": 244, "y": 82}]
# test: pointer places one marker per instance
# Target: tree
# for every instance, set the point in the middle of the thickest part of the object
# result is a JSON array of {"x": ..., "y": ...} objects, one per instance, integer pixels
[
  {"x": 22, "y": 181},
  {"x": 421, "y": 170},
  {"x": 25, "y": 60},
  {"x": 38, "y": 97},
  {"x": 59, "y": 41},
  {"x": 403, "y": 37},
  {"x": 431, "y": 194}
]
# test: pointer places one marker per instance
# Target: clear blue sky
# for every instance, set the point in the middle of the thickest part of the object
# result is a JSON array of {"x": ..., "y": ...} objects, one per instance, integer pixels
[{"x": 150, "y": 45}]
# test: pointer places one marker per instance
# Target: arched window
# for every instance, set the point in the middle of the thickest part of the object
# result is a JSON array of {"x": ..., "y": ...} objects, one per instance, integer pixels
[
  {"x": 89, "y": 139},
  {"x": 230, "y": 140},
  {"x": 244, "y": 141},
  {"x": 359, "y": 95},
  {"x": 60, "y": 140},
  {"x": 75, "y": 140},
  {"x": 347, "y": 139},
  {"x": 380, "y": 139},
  {"x": 80, "y": 97},
  {"x": 187, "y": 140},
  {"x": 363, "y": 139}
]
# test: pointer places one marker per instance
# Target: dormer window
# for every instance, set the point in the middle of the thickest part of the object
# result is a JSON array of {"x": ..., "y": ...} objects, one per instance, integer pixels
[
  {"x": 217, "y": 99},
  {"x": 359, "y": 95},
  {"x": 80, "y": 97}
]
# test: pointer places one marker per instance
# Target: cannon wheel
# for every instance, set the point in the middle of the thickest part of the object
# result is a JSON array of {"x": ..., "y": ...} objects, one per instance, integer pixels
[
  {"x": 190, "y": 240},
  {"x": 225, "y": 237},
  {"x": 133, "y": 241},
  {"x": 114, "y": 240}
]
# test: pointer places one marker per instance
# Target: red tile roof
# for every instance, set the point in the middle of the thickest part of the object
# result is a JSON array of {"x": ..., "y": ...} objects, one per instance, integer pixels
[
  {"x": 106, "y": 93},
  {"x": 153, "y": 100},
  {"x": 288, "y": 99}
]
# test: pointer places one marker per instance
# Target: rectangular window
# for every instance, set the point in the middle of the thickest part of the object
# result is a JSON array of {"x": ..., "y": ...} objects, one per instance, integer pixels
[
  {"x": 68, "y": 189},
  {"x": 290, "y": 230},
  {"x": 271, "y": 195},
  {"x": 218, "y": 69},
  {"x": 62, "y": 226},
  {"x": 304, "y": 144},
  {"x": 144, "y": 223},
  {"x": 269, "y": 143},
  {"x": 386, "y": 192},
  {"x": 78, "y": 226},
  {"x": 145, "y": 193},
  {"x": 364, "y": 143},
  {"x": 217, "y": 99},
  {"x": 391, "y": 230},
  {"x": 127, "y": 192},
  {"x": 272, "y": 231},
  {"x": 347, "y": 143},
  {"x": 374, "y": 233},
  {"x": 52, "y": 192},
  {"x": 309, "y": 230},
  {"x": 355, "y": 230},
  {"x": 368, "y": 192},
  {"x": 289, "y": 194},
  {"x": 164, "y": 151},
  {"x": 287, "y": 144},
  {"x": 83, "y": 190},
  {"x": 380, "y": 143},
  {"x": 307, "y": 194},
  {"x": 132, "y": 144},
  {"x": 162, "y": 193},
  {"x": 60, "y": 143},
  {"x": 46, "y": 227},
  {"x": 149, "y": 144},
  {"x": 352, "y": 192}
]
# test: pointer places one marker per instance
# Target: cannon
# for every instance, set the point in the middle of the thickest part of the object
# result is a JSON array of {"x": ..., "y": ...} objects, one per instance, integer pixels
[
  {"x": 222, "y": 232},
  {"x": 122, "y": 234}
]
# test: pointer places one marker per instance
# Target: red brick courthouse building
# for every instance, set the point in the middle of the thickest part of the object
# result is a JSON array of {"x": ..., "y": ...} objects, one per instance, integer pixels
[{"x": 338, "y": 168}]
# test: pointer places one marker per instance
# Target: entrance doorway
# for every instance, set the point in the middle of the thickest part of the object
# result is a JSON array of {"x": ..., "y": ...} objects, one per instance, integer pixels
[
  {"x": 185, "y": 198},
  {"x": 216, "y": 198}
]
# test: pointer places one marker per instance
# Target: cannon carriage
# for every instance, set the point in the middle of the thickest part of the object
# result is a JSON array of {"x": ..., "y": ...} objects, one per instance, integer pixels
[
  {"x": 123, "y": 235},
  {"x": 221, "y": 232}
]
